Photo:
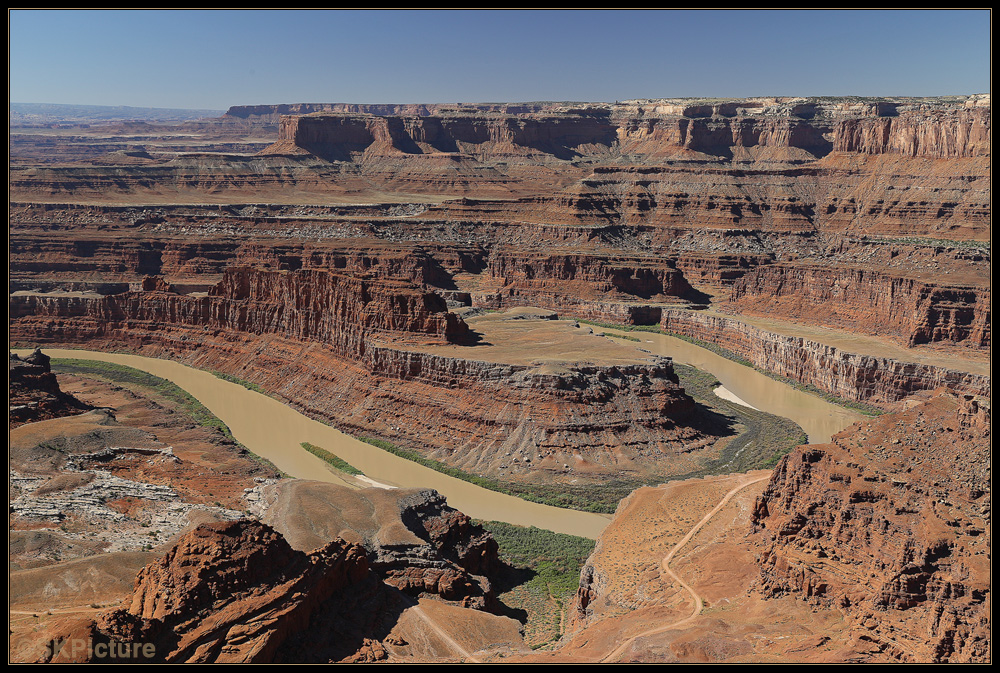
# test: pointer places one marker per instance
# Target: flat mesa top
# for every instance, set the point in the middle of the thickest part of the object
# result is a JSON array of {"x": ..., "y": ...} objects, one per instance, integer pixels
[{"x": 530, "y": 336}]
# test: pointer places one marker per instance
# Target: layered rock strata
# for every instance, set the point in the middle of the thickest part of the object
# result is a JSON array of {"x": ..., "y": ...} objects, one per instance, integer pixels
[
  {"x": 879, "y": 381},
  {"x": 805, "y": 130},
  {"x": 889, "y": 523},
  {"x": 346, "y": 337},
  {"x": 314, "y": 306},
  {"x": 623, "y": 288},
  {"x": 239, "y": 591},
  {"x": 234, "y": 592},
  {"x": 863, "y": 300},
  {"x": 450, "y": 557},
  {"x": 612, "y": 212}
]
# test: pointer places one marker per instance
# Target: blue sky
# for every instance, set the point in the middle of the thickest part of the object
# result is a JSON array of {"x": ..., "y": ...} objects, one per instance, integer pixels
[{"x": 211, "y": 59}]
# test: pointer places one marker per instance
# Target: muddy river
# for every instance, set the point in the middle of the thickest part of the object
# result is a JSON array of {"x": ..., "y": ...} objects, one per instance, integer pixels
[
  {"x": 818, "y": 418},
  {"x": 275, "y": 431}
]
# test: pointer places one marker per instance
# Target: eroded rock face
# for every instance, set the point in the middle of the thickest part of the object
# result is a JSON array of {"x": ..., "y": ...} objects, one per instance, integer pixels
[
  {"x": 879, "y": 381},
  {"x": 232, "y": 592},
  {"x": 415, "y": 541},
  {"x": 616, "y": 288},
  {"x": 890, "y": 523},
  {"x": 346, "y": 336},
  {"x": 455, "y": 562},
  {"x": 864, "y": 300},
  {"x": 318, "y": 306},
  {"x": 890, "y": 128},
  {"x": 34, "y": 393},
  {"x": 239, "y": 592},
  {"x": 919, "y": 133}
]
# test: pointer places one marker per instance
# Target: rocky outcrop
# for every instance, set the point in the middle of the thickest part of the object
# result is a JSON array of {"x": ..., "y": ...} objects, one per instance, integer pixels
[
  {"x": 454, "y": 558},
  {"x": 232, "y": 592},
  {"x": 874, "y": 380},
  {"x": 238, "y": 591},
  {"x": 451, "y": 533},
  {"x": 344, "y": 137},
  {"x": 890, "y": 524},
  {"x": 622, "y": 288},
  {"x": 34, "y": 393},
  {"x": 415, "y": 541}
]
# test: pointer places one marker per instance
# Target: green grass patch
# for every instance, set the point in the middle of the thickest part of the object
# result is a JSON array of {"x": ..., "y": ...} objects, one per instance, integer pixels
[
  {"x": 622, "y": 328},
  {"x": 333, "y": 460},
  {"x": 544, "y": 578},
  {"x": 625, "y": 337},
  {"x": 556, "y": 558}
]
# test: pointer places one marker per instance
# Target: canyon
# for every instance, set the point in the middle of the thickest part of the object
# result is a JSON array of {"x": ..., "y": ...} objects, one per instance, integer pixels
[{"x": 448, "y": 279}]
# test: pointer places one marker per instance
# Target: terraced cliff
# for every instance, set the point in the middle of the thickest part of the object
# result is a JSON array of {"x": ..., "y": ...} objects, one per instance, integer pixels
[
  {"x": 871, "y": 216},
  {"x": 879, "y": 381},
  {"x": 359, "y": 353}
]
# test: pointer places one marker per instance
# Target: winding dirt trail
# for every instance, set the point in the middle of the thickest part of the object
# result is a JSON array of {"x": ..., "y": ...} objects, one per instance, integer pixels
[{"x": 698, "y": 602}]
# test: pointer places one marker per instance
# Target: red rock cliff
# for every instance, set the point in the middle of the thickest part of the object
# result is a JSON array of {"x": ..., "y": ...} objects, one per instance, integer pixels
[
  {"x": 936, "y": 134},
  {"x": 346, "y": 337},
  {"x": 890, "y": 523},
  {"x": 879, "y": 381},
  {"x": 863, "y": 300},
  {"x": 318, "y": 306}
]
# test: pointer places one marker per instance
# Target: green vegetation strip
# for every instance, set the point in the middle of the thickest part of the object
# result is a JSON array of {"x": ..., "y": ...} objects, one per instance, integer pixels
[
  {"x": 625, "y": 337},
  {"x": 188, "y": 404},
  {"x": 333, "y": 460},
  {"x": 601, "y": 498},
  {"x": 579, "y": 499},
  {"x": 240, "y": 382}
]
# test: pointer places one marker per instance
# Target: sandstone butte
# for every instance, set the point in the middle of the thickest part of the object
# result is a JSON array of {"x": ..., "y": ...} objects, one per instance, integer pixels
[{"x": 324, "y": 253}]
